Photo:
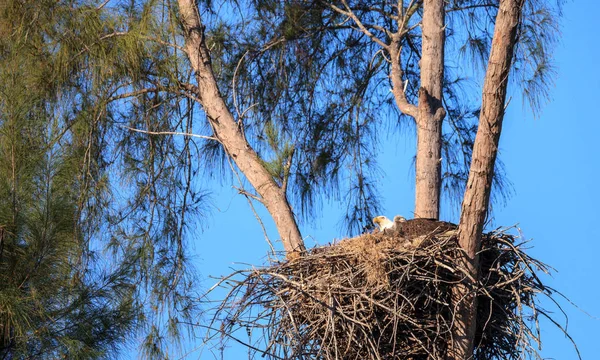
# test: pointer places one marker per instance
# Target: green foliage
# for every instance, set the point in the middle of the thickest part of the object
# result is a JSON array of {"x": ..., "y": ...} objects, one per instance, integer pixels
[
  {"x": 93, "y": 216},
  {"x": 53, "y": 299}
]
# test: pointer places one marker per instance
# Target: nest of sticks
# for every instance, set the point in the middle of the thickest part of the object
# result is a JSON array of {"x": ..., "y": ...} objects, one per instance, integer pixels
[{"x": 385, "y": 296}]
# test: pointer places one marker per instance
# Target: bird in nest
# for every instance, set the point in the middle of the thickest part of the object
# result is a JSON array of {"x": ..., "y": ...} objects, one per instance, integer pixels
[{"x": 384, "y": 223}]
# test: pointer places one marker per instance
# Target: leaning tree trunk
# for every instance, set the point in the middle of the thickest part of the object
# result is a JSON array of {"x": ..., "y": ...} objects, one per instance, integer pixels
[
  {"x": 430, "y": 112},
  {"x": 479, "y": 184},
  {"x": 229, "y": 134}
]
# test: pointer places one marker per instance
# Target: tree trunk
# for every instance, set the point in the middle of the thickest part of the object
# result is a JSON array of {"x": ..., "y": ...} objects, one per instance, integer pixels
[
  {"x": 430, "y": 112},
  {"x": 230, "y": 135},
  {"x": 479, "y": 184}
]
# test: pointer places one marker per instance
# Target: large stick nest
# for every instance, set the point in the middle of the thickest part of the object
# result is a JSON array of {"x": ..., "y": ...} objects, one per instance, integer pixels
[{"x": 386, "y": 296}]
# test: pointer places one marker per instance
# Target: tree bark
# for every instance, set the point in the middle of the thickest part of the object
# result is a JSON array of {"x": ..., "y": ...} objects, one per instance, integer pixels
[
  {"x": 479, "y": 185},
  {"x": 430, "y": 112},
  {"x": 230, "y": 135}
]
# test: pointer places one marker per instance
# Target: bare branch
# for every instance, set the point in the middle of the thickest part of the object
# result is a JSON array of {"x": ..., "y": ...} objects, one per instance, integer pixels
[
  {"x": 286, "y": 170},
  {"x": 99, "y": 7},
  {"x": 104, "y": 37},
  {"x": 348, "y": 12},
  {"x": 166, "y": 43},
  {"x": 132, "y": 94},
  {"x": 394, "y": 49},
  {"x": 397, "y": 83},
  {"x": 233, "y": 88},
  {"x": 245, "y": 111},
  {"x": 116, "y": 33},
  {"x": 189, "y": 87},
  {"x": 381, "y": 12},
  {"x": 476, "y": 6},
  {"x": 169, "y": 133},
  {"x": 242, "y": 191},
  {"x": 248, "y": 198},
  {"x": 412, "y": 8}
]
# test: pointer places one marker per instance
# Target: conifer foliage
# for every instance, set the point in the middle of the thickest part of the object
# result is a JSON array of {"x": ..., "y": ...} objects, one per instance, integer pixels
[{"x": 91, "y": 212}]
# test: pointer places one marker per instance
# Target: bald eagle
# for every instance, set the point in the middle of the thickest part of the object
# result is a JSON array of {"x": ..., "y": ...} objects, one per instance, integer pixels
[
  {"x": 385, "y": 223},
  {"x": 398, "y": 220}
]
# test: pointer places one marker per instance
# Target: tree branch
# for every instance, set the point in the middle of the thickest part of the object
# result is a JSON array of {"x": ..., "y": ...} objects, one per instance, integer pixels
[
  {"x": 348, "y": 12},
  {"x": 476, "y": 6},
  {"x": 165, "y": 43},
  {"x": 397, "y": 83},
  {"x": 248, "y": 194},
  {"x": 286, "y": 170},
  {"x": 229, "y": 133},
  {"x": 133, "y": 94},
  {"x": 169, "y": 133},
  {"x": 412, "y": 8},
  {"x": 99, "y": 7}
]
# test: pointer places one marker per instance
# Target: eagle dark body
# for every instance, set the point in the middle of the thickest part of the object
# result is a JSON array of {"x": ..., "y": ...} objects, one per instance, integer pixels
[{"x": 419, "y": 227}]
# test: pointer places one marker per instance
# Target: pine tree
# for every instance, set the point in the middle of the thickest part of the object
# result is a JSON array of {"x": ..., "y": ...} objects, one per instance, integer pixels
[{"x": 93, "y": 215}]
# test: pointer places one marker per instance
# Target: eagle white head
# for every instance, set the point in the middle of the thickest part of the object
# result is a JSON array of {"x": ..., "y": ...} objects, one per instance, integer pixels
[{"x": 383, "y": 222}]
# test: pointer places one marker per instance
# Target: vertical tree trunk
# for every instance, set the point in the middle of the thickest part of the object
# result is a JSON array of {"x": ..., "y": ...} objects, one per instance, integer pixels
[
  {"x": 479, "y": 184},
  {"x": 430, "y": 112},
  {"x": 230, "y": 135}
]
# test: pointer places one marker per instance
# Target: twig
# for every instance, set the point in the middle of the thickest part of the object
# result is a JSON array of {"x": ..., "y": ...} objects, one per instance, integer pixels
[
  {"x": 249, "y": 196},
  {"x": 169, "y": 133}
]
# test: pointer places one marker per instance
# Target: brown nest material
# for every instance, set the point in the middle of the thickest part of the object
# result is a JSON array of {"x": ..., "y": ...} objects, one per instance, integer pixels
[{"x": 385, "y": 296}]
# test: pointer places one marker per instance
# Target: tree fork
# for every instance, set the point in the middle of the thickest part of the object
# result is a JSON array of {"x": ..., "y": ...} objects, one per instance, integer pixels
[
  {"x": 430, "y": 112},
  {"x": 477, "y": 194},
  {"x": 229, "y": 134}
]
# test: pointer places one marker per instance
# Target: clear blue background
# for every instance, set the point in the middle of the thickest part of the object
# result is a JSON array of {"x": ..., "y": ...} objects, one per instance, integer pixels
[{"x": 553, "y": 162}]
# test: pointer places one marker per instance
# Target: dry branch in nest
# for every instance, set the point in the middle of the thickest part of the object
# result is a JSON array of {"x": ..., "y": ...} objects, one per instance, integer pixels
[{"x": 385, "y": 296}]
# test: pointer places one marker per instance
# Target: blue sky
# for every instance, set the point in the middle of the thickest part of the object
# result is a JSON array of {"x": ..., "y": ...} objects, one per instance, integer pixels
[{"x": 552, "y": 161}]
